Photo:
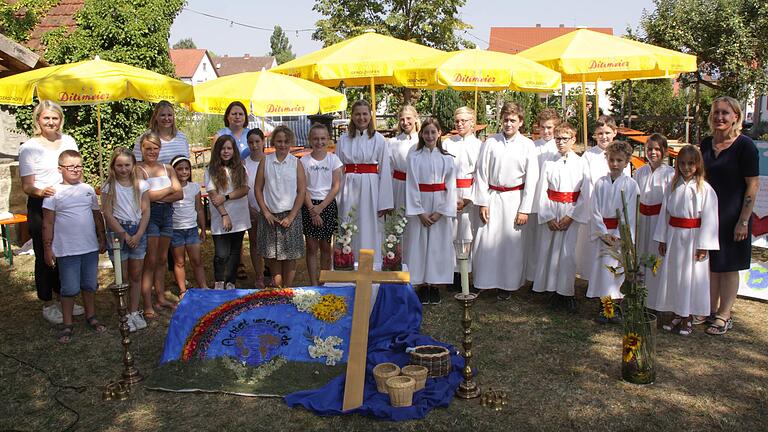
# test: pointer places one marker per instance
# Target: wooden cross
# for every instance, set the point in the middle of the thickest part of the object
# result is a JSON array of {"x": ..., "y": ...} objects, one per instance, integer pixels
[{"x": 358, "y": 340}]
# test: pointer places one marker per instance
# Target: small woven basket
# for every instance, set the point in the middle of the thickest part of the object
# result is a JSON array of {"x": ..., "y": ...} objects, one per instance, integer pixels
[
  {"x": 400, "y": 391},
  {"x": 435, "y": 358},
  {"x": 382, "y": 372},
  {"x": 418, "y": 373}
]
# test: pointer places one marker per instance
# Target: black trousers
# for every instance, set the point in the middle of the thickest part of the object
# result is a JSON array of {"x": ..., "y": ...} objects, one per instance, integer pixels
[
  {"x": 46, "y": 278},
  {"x": 226, "y": 257}
]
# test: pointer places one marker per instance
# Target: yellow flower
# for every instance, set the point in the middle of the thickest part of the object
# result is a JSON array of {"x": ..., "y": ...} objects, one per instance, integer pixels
[
  {"x": 632, "y": 341},
  {"x": 628, "y": 354},
  {"x": 608, "y": 310},
  {"x": 330, "y": 308},
  {"x": 656, "y": 265}
]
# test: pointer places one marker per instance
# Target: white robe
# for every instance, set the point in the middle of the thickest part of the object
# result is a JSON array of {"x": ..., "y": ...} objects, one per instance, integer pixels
[
  {"x": 465, "y": 150},
  {"x": 606, "y": 201},
  {"x": 368, "y": 193},
  {"x": 587, "y": 249},
  {"x": 531, "y": 229},
  {"x": 652, "y": 185},
  {"x": 499, "y": 253},
  {"x": 683, "y": 281},
  {"x": 399, "y": 147},
  {"x": 430, "y": 250},
  {"x": 557, "y": 266}
]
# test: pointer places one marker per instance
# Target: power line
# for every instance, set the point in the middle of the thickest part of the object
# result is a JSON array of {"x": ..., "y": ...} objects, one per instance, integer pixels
[{"x": 250, "y": 26}]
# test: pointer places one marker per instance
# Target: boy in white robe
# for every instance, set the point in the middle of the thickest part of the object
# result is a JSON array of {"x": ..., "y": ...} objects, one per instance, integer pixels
[
  {"x": 561, "y": 208},
  {"x": 611, "y": 195},
  {"x": 505, "y": 184}
]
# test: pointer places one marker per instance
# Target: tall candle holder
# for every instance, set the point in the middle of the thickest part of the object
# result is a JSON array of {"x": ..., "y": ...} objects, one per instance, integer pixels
[{"x": 468, "y": 389}]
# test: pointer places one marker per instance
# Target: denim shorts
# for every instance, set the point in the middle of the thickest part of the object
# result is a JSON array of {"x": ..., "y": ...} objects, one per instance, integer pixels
[
  {"x": 126, "y": 252},
  {"x": 78, "y": 272},
  {"x": 160, "y": 220},
  {"x": 182, "y": 237}
]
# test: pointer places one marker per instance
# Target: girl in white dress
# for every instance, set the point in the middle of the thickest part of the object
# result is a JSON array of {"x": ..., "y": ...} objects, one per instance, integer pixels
[
  {"x": 561, "y": 204},
  {"x": 188, "y": 227},
  {"x": 367, "y": 180},
  {"x": 505, "y": 184},
  {"x": 687, "y": 230},
  {"x": 430, "y": 208},
  {"x": 399, "y": 147},
  {"x": 653, "y": 179},
  {"x": 607, "y": 212}
]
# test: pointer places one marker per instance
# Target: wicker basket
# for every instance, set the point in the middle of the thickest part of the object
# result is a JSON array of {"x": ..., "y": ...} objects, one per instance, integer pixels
[
  {"x": 382, "y": 372},
  {"x": 418, "y": 373},
  {"x": 400, "y": 391},
  {"x": 435, "y": 358}
]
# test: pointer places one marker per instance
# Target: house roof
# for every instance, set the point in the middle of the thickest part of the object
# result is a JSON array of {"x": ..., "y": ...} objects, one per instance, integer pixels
[
  {"x": 60, "y": 15},
  {"x": 227, "y": 65},
  {"x": 512, "y": 40},
  {"x": 186, "y": 60}
]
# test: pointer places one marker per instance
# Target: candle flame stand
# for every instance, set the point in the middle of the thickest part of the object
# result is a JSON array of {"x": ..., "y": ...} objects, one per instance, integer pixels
[{"x": 468, "y": 389}]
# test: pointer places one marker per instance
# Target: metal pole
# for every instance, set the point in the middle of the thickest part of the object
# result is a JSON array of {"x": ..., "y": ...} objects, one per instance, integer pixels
[{"x": 584, "y": 111}]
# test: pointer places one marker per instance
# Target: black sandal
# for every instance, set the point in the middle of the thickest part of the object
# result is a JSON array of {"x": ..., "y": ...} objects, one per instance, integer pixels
[
  {"x": 65, "y": 334},
  {"x": 719, "y": 330},
  {"x": 95, "y": 325}
]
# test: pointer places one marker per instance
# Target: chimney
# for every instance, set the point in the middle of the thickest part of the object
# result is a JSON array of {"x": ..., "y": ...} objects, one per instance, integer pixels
[
  {"x": 562, "y": 25},
  {"x": 538, "y": 25}
]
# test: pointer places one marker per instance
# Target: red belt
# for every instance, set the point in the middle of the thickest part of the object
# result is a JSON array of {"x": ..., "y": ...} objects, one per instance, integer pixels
[
  {"x": 506, "y": 189},
  {"x": 563, "y": 197},
  {"x": 464, "y": 183},
  {"x": 611, "y": 223},
  {"x": 361, "y": 168},
  {"x": 431, "y": 187},
  {"x": 650, "y": 210},
  {"x": 684, "y": 222},
  {"x": 399, "y": 175}
]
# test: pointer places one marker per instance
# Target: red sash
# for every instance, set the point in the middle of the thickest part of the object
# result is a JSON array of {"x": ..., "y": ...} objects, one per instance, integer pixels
[
  {"x": 361, "y": 168},
  {"x": 398, "y": 175},
  {"x": 431, "y": 187},
  {"x": 684, "y": 222},
  {"x": 650, "y": 210},
  {"x": 611, "y": 223},
  {"x": 563, "y": 197},
  {"x": 506, "y": 189},
  {"x": 464, "y": 183}
]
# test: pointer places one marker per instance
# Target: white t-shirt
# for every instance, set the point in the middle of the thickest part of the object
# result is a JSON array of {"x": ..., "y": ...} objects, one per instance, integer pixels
[
  {"x": 280, "y": 182},
  {"x": 320, "y": 174},
  {"x": 35, "y": 159},
  {"x": 252, "y": 167},
  {"x": 184, "y": 213},
  {"x": 74, "y": 231},
  {"x": 237, "y": 208},
  {"x": 125, "y": 207},
  {"x": 168, "y": 149}
]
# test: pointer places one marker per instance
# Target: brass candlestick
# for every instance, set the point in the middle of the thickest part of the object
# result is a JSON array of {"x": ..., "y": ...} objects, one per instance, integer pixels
[
  {"x": 130, "y": 375},
  {"x": 468, "y": 389}
]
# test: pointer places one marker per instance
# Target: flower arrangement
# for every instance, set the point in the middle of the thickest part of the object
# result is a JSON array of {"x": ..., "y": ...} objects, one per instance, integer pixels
[
  {"x": 330, "y": 308},
  {"x": 343, "y": 255},
  {"x": 304, "y": 299},
  {"x": 638, "y": 343},
  {"x": 391, "y": 249},
  {"x": 326, "y": 348}
]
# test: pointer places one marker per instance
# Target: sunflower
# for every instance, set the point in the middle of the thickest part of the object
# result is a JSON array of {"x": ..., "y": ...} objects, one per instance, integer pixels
[
  {"x": 632, "y": 341},
  {"x": 656, "y": 265},
  {"x": 628, "y": 354},
  {"x": 607, "y": 307}
]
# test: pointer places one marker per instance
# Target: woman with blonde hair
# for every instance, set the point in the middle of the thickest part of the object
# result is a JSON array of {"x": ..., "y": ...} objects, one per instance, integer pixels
[
  {"x": 173, "y": 142},
  {"x": 732, "y": 166},
  {"x": 399, "y": 147}
]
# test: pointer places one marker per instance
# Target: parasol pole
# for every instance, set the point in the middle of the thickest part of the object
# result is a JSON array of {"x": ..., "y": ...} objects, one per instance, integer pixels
[
  {"x": 373, "y": 103},
  {"x": 98, "y": 142},
  {"x": 584, "y": 111},
  {"x": 597, "y": 100},
  {"x": 563, "y": 101},
  {"x": 475, "y": 99}
]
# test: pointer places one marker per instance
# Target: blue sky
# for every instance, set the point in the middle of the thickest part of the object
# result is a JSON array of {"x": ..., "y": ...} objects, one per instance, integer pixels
[{"x": 224, "y": 37}]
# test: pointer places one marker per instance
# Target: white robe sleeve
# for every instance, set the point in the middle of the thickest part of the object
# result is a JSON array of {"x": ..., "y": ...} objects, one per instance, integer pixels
[
  {"x": 531, "y": 180},
  {"x": 631, "y": 192},
  {"x": 663, "y": 224},
  {"x": 479, "y": 195},
  {"x": 386, "y": 197},
  {"x": 708, "y": 233},
  {"x": 597, "y": 227},
  {"x": 540, "y": 206},
  {"x": 580, "y": 210},
  {"x": 448, "y": 206},
  {"x": 413, "y": 205}
]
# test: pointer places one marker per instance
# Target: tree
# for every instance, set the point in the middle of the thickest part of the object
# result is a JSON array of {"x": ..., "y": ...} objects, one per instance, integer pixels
[
  {"x": 133, "y": 32},
  {"x": 281, "y": 48},
  {"x": 186, "y": 43},
  {"x": 654, "y": 103},
  {"x": 17, "y": 19}
]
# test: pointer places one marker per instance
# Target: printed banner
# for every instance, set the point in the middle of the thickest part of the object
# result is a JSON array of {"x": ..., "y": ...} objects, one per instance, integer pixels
[
  {"x": 760, "y": 211},
  {"x": 753, "y": 283}
]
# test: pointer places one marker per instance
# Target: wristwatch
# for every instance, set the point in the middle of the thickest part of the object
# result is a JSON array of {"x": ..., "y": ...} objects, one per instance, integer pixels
[
  {"x": 226, "y": 197},
  {"x": 744, "y": 223}
]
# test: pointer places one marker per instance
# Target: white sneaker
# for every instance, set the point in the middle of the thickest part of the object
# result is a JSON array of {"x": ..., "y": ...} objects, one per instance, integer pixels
[
  {"x": 219, "y": 285},
  {"x": 52, "y": 313},
  {"x": 138, "y": 320},
  {"x": 130, "y": 322},
  {"x": 77, "y": 310},
  {"x": 229, "y": 286}
]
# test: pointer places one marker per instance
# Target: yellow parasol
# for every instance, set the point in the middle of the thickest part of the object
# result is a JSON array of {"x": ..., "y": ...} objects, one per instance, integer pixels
[
  {"x": 587, "y": 56},
  {"x": 476, "y": 69},
  {"x": 267, "y": 94},
  {"x": 364, "y": 60},
  {"x": 92, "y": 82}
]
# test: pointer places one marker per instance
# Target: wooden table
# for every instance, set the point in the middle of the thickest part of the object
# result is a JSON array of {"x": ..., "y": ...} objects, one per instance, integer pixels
[
  {"x": 199, "y": 152},
  {"x": 4, "y": 223}
]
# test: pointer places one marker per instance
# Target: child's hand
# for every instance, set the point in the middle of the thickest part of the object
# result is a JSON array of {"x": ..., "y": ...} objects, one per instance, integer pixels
[
  {"x": 460, "y": 205},
  {"x": 553, "y": 225},
  {"x": 316, "y": 210},
  {"x": 434, "y": 217},
  {"x": 700, "y": 255},
  {"x": 662, "y": 249},
  {"x": 202, "y": 234},
  {"x": 521, "y": 219},
  {"x": 382, "y": 213},
  {"x": 271, "y": 220},
  {"x": 317, "y": 220},
  {"x": 217, "y": 199},
  {"x": 425, "y": 220},
  {"x": 132, "y": 240},
  {"x": 286, "y": 222},
  {"x": 485, "y": 214},
  {"x": 226, "y": 222},
  {"x": 50, "y": 260},
  {"x": 48, "y": 192},
  {"x": 565, "y": 222}
]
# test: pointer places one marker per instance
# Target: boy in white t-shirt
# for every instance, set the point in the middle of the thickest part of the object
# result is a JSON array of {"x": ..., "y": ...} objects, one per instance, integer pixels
[{"x": 73, "y": 241}]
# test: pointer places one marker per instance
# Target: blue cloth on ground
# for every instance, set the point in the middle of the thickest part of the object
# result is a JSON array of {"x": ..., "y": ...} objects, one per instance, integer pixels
[{"x": 394, "y": 326}]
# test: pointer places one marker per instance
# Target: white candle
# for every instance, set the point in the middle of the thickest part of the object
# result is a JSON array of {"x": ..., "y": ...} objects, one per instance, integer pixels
[
  {"x": 464, "y": 276},
  {"x": 118, "y": 263}
]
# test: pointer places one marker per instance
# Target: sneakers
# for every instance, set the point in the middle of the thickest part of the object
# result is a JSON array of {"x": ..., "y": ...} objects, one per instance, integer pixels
[
  {"x": 136, "y": 321},
  {"x": 77, "y": 310},
  {"x": 52, "y": 313},
  {"x": 229, "y": 286},
  {"x": 434, "y": 295},
  {"x": 503, "y": 294},
  {"x": 423, "y": 293}
]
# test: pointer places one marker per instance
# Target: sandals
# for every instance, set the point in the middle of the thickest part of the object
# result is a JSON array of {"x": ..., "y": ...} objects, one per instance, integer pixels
[
  {"x": 701, "y": 319},
  {"x": 715, "y": 329},
  {"x": 686, "y": 327},
  {"x": 672, "y": 325},
  {"x": 241, "y": 273},
  {"x": 95, "y": 325},
  {"x": 65, "y": 334},
  {"x": 152, "y": 315}
]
